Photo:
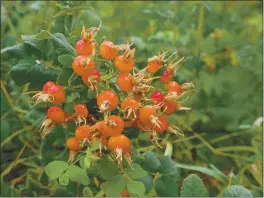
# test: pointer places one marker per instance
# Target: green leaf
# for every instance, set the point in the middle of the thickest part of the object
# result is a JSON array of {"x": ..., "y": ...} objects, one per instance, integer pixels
[
  {"x": 147, "y": 181},
  {"x": 64, "y": 75},
  {"x": 55, "y": 169},
  {"x": 28, "y": 70},
  {"x": 152, "y": 161},
  {"x": 237, "y": 191},
  {"x": 114, "y": 187},
  {"x": 77, "y": 174},
  {"x": 107, "y": 168},
  {"x": 43, "y": 35},
  {"x": 19, "y": 50},
  {"x": 136, "y": 188},
  {"x": 167, "y": 166},
  {"x": 193, "y": 187},
  {"x": 215, "y": 174},
  {"x": 38, "y": 44},
  {"x": 166, "y": 186},
  {"x": 87, "y": 192},
  {"x": 64, "y": 180},
  {"x": 70, "y": 11},
  {"x": 61, "y": 43},
  {"x": 66, "y": 60},
  {"x": 136, "y": 172}
]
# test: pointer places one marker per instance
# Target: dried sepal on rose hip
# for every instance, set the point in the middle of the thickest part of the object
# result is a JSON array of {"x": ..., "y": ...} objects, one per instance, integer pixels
[
  {"x": 111, "y": 126},
  {"x": 83, "y": 65},
  {"x": 80, "y": 115},
  {"x": 92, "y": 79},
  {"x": 155, "y": 63},
  {"x": 55, "y": 115},
  {"x": 121, "y": 146},
  {"x": 107, "y": 101},
  {"x": 73, "y": 144},
  {"x": 108, "y": 50},
  {"x": 125, "y": 62},
  {"x": 86, "y": 45},
  {"x": 50, "y": 93},
  {"x": 130, "y": 108}
]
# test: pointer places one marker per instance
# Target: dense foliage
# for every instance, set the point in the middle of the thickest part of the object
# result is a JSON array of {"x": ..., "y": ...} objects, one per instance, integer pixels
[{"x": 222, "y": 147}]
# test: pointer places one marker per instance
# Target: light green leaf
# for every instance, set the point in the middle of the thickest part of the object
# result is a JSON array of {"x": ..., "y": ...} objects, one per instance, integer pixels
[
  {"x": 147, "y": 181},
  {"x": 64, "y": 180},
  {"x": 77, "y": 174},
  {"x": 66, "y": 60},
  {"x": 136, "y": 172},
  {"x": 220, "y": 177},
  {"x": 136, "y": 188},
  {"x": 43, "y": 35},
  {"x": 55, "y": 169},
  {"x": 70, "y": 11},
  {"x": 193, "y": 187},
  {"x": 237, "y": 191},
  {"x": 107, "y": 168},
  {"x": 114, "y": 187},
  {"x": 87, "y": 192}
]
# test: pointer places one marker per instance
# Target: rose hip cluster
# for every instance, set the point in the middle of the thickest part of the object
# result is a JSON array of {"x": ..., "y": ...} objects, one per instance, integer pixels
[{"x": 139, "y": 106}]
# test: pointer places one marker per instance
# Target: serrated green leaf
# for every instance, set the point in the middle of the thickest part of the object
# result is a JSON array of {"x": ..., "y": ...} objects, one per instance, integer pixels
[
  {"x": 152, "y": 161},
  {"x": 114, "y": 187},
  {"x": 87, "y": 192},
  {"x": 136, "y": 188},
  {"x": 64, "y": 180},
  {"x": 55, "y": 169},
  {"x": 66, "y": 60},
  {"x": 43, "y": 35},
  {"x": 77, "y": 174},
  {"x": 166, "y": 186},
  {"x": 136, "y": 172},
  {"x": 237, "y": 191},
  {"x": 193, "y": 187},
  {"x": 107, "y": 168}
]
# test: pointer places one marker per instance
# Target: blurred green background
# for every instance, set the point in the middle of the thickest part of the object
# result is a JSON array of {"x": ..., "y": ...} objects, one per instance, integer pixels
[{"x": 222, "y": 45}]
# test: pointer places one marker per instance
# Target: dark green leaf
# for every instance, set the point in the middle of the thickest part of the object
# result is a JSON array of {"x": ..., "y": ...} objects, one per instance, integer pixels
[
  {"x": 136, "y": 188},
  {"x": 152, "y": 161},
  {"x": 166, "y": 186},
  {"x": 55, "y": 169},
  {"x": 64, "y": 75},
  {"x": 147, "y": 181},
  {"x": 237, "y": 191},
  {"x": 66, "y": 60},
  {"x": 19, "y": 50},
  {"x": 61, "y": 43},
  {"x": 167, "y": 166},
  {"x": 193, "y": 187}
]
